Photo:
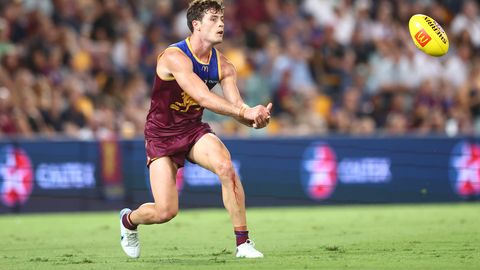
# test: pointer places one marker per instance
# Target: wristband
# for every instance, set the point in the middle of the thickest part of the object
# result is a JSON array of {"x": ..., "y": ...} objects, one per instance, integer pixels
[{"x": 241, "y": 113}]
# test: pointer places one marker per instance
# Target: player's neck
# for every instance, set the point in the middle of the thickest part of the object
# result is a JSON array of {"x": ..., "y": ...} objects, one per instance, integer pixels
[{"x": 200, "y": 48}]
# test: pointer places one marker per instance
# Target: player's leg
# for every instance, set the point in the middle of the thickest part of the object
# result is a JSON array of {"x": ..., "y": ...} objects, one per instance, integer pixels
[
  {"x": 163, "y": 172},
  {"x": 210, "y": 153},
  {"x": 164, "y": 208}
]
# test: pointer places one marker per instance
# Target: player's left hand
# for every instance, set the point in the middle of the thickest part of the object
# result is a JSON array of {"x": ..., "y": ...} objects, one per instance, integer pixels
[{"x": 263, "y": 119}]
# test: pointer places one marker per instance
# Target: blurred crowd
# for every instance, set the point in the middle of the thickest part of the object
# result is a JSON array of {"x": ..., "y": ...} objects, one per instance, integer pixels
[{"x": 84, "y": 68}]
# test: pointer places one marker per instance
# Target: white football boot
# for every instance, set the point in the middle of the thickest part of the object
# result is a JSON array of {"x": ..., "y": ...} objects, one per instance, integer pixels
[
  {"x": 247, "y": 250},
  {"x": 128, "y": 238}
]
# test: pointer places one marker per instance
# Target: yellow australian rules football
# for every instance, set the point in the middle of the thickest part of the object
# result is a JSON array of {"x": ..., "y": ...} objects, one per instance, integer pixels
[{"x": 428, "y": 35}]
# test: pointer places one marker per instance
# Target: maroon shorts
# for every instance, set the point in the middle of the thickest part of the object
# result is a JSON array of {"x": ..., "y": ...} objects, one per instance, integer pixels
[{"x": 176, "y": 147}]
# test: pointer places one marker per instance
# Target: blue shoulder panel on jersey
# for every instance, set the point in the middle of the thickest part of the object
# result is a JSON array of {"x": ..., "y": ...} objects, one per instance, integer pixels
[{"x": 208, "y": 72}]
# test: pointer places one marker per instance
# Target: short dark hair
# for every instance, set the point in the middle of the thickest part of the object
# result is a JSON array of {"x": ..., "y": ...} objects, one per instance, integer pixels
[{"x": 198, "y": 8}]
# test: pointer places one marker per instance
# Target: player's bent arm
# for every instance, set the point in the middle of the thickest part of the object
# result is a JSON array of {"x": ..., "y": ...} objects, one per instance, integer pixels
[
  {"x": 181, "y": 68},
  {"x": 259, "y": 114},
  {"x": 229, "y": 82},
  {"x": 230, "y": 89}
]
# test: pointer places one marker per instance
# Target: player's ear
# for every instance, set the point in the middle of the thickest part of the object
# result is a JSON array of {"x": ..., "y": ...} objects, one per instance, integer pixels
[{"x": 196, "y": 25}]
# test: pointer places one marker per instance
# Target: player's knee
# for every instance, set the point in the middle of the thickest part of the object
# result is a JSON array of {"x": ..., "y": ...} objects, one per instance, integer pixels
[
  {"x": 168, "y": 215},
  {"x": 225, "y": 168},
  {"x": 165, "y": 214}
]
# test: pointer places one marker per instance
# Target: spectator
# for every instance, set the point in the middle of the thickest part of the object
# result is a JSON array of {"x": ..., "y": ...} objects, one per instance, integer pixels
[
  {"x": 468, "y": 20},
  {"x": 81, "y": 68}
]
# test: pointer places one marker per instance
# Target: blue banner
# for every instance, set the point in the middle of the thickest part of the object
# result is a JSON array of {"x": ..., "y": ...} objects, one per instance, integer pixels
[{"x": 48, "y": 175}]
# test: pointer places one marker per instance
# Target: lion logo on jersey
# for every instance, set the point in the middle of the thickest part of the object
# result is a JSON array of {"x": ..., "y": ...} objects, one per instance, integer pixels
[{"x": 183, "y": 106}]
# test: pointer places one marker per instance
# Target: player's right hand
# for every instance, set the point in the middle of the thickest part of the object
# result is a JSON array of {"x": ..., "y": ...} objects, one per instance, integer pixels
[{"x": 260, "y": 115}]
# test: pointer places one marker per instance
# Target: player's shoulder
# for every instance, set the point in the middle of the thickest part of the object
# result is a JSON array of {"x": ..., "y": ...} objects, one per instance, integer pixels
[
  {"x": 174, "y": 55},
  {"x": 228, "y": 68},
  {"x": 173, "y": 51},
  {"x": 223, "y": 59}
]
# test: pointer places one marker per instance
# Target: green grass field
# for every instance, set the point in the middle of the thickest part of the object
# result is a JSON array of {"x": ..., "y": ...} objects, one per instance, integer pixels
[{"x": 336, "y": 237}]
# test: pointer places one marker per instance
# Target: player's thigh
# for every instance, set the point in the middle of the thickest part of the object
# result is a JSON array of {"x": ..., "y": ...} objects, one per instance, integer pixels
[
  {"x": 163, "y": 173},
  {"x": 209, "y": 152}
]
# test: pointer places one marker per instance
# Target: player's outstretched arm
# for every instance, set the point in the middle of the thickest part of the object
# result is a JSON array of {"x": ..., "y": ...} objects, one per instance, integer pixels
[
  {"x": 260, "y": 114},
  {"x": 180, "y": 67}
]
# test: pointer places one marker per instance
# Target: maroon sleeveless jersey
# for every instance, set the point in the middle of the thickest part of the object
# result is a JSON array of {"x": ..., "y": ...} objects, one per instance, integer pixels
[
  {"x": 172, "y": 111},
  {"x": 174, "y": 121}
]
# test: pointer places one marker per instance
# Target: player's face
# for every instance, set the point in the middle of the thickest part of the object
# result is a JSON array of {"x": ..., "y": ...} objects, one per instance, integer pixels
[{"x": 212, "y": 27}]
